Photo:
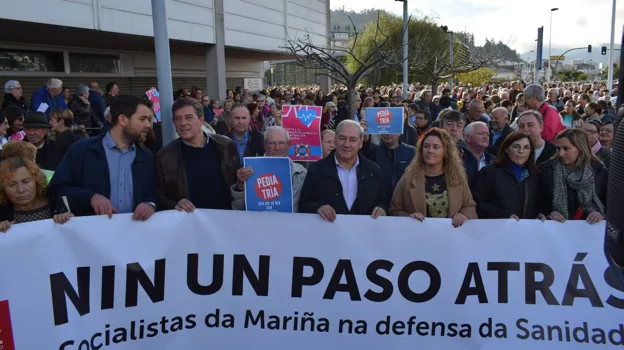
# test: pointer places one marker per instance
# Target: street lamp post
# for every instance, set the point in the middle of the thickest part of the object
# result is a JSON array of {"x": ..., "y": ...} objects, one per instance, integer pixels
[
  {"x": 610, "y": 71},
  {"x": 550, "y": 42},
  {"x": 405, "y": 26}
]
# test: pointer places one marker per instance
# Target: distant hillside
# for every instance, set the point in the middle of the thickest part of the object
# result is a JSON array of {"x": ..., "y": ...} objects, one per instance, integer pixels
[{"x": 340, "y": 17}]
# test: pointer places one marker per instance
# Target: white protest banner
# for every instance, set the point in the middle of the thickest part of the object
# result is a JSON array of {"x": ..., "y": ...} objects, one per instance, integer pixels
[{"x": 243, "y": 280}]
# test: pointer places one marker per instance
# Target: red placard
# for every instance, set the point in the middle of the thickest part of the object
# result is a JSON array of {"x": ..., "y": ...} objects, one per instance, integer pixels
[{"x": 6, "y": 332}]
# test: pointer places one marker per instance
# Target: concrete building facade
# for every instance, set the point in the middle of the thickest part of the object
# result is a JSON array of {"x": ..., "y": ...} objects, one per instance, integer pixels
[{"x": 112, "y": 40}]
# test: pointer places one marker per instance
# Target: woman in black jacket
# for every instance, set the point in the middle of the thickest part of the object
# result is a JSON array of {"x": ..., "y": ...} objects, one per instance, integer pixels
[
  {"x": 509, "y": 187},
  {"x": 573, "y": 183}
]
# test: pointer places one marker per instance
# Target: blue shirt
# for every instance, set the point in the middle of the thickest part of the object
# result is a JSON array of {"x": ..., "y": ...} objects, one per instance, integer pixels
[
  {"x": 496, "y": 136},
  {"x": 120, "y": 174},
  {"x": 241, "y": 144}
]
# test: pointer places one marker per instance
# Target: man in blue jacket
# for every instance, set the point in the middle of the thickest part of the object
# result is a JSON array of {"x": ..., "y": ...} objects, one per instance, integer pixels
[
  {"x": 392, "y": 156},
  {"x": 112, "y": 173},
  {"x": 50, "y": 94}
]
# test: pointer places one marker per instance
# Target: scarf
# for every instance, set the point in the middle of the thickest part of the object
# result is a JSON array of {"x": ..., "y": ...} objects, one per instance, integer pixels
[
  {"x": 595, "y": 148},
  {"x": 582, "y": 181}
]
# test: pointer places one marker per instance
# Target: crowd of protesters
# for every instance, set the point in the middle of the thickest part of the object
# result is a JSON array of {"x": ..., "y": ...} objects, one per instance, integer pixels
[{"x": 495, "y": 151}]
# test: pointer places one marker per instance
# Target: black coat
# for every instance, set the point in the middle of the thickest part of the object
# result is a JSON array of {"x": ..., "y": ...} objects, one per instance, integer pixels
[
  {"x": 547, "y": 188},
  {"x": 499, "y": 194},
  {"x": 48, "y": 156},
  {"x": 495, "y": 146},
  {"x": 10, "y": 100},
  {"x": 605, "y": 156},
  {"x": 548, "y": 152},
  {"x": 255, "y": 144},
  {"x": 322, "y": 186},
  {"x": 392, "y": 163}
]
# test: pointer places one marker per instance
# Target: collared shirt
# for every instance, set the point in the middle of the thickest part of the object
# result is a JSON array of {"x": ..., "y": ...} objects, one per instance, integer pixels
[
  {"x": 482, "y": 161},
  {"x": 538, "y": 151},
  {"x": 241, "y": 144},
  {"x": 349, "y": 182},
  {"x": 120, "y": 174},
  {"x": 496, "y": 135}
]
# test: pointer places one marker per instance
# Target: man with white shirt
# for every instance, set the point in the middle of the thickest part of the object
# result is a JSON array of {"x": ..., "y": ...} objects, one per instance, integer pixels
[
  {"x": 344, "y": 182},
  {"x": 477, "y": 140},
  {"x": 531, "y": 123}
]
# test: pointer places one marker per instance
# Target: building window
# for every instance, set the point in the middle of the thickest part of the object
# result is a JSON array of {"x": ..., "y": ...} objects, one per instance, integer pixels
[
  {"x": 30, "y": 61},
  {"x": 92, "y": 63}
]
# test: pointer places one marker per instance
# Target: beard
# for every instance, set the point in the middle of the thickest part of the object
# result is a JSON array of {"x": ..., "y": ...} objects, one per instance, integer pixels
[{"x": 133, "y": 135}]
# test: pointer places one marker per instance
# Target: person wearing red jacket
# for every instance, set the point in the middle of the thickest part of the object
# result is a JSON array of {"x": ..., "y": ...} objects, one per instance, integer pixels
[{"x": 534, "y": 98}]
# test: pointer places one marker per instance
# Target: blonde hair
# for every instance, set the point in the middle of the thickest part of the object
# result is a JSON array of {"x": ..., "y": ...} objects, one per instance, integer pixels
[
  {"x": 9, "y": 166},
  {"x": 451, "y": 164},
  {"x": 578, "y": 139},
  {"x": 20, "y": 149}
]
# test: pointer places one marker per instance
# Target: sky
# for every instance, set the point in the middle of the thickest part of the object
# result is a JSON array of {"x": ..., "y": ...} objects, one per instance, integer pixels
[{"x": 577, "y": 23}]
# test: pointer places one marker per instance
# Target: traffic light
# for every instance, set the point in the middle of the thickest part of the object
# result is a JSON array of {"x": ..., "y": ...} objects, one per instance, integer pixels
[
  {"x": 604, "y": 50},
  {"x": 589, "y": 48}
]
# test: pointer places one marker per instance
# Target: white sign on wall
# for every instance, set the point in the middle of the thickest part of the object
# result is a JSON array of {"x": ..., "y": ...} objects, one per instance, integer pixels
[{"x": 253, "y": 84}]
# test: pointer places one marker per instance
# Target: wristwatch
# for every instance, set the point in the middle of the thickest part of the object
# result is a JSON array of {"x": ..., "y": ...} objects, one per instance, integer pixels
[{"x": 152, "y": 204}]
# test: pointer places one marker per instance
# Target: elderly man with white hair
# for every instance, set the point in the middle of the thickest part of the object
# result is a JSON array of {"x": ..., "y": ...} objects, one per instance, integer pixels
[
  {"x": 534, "y": 96},
  {"x": 276, "y": 144},
  {"x": 554, "y": 100},
  {"x": 48, "y": 98},
  {"x": 477, "y": 140},
  {"x": 13, "y": 95},
  {"x": 344, "y": 182}
]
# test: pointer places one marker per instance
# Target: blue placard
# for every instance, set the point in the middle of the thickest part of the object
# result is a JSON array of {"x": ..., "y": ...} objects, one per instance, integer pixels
[
  {"x": 270, "y": 186},
  {"x": 384, "y": 120}
]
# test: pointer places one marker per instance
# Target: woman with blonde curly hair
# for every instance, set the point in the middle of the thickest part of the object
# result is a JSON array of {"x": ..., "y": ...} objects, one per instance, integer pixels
[
  {"x": 23, "y": 195},
  {"x": 435, "y": 184}
]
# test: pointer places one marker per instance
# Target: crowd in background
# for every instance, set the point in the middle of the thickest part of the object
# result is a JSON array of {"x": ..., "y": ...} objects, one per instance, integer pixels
[{"x": 492, "y": 151}]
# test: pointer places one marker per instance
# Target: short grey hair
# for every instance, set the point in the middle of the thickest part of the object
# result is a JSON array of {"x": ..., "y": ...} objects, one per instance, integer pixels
[
  {"x": 275, "y": 128},
  {"x": 350, "y": 122},
  {"x": 536, "y": 91},
  {"x": 468, "y": 130},
  {"x": 555, "y": 90},
  {"x": 10, "y": 85},
  {"x": 536, "y": 114},
  {"x": 82, "y": 89},
  {"x": 501, "y": 110},
  {"x": 54, "y": 83},
  {"x": 474, "y": 102}
]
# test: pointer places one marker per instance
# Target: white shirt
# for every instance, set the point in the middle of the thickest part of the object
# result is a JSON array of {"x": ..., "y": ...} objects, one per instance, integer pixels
[
  {"x": 3, "y": 141},
  {"x": 349, "y": 182},
  {"x": 538, "y": 151}
]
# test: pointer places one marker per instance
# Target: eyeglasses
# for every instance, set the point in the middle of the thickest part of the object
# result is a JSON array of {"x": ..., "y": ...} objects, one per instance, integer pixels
[
  {"x": 516, "y": 147},
  {"x": 278, "y": 143}
]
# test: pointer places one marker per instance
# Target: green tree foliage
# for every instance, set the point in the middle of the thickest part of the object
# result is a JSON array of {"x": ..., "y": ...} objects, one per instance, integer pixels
[
  {"x": 571, "y": 75},
  {"x": 428, "y": 51},
  {"x": 476, "y": 77}
]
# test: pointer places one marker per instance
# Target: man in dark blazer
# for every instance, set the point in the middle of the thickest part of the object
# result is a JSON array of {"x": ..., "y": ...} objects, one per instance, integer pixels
[
  {"x": 345, "y": 182},
  {"x": 112, "y": 173}
]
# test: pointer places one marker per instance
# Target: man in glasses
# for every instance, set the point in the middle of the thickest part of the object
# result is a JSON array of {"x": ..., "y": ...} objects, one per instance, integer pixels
[
  {"x": 13, "y": 95},
  {"x": 276, "y": 143}
]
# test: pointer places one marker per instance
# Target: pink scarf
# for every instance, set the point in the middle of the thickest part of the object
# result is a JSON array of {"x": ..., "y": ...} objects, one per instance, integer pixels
[{"x": 596, "y": 147}]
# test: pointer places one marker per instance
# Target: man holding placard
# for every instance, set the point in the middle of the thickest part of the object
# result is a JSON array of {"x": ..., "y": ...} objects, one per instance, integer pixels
[
  {"x": 275, "y": 178},
  {"x": 344, "y": 182}
]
